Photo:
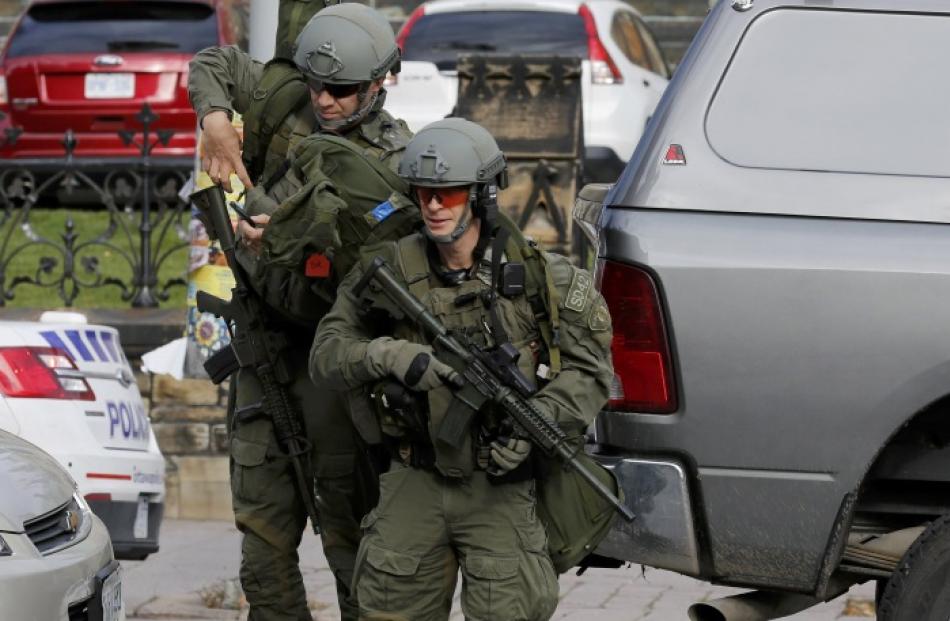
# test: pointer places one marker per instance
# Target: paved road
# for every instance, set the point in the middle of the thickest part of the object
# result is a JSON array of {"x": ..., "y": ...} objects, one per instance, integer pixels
[{"x": 199, "y": 557}]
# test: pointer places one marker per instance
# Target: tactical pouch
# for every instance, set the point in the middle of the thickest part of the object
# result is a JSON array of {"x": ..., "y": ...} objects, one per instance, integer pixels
[
  {"x": 401, "y": 412},
  {"x": 575, "y": 516}
]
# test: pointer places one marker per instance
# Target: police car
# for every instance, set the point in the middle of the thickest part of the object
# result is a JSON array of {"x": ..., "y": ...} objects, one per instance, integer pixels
[{"x": 67, "y": 387}]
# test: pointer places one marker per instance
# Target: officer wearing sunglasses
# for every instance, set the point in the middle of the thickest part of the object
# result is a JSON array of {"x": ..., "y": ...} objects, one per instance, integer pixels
[{"x": 322, "y": 154}]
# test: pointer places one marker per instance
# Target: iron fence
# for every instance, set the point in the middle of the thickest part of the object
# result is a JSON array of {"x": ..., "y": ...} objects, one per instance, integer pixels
[{"x": 144, "y": 223}]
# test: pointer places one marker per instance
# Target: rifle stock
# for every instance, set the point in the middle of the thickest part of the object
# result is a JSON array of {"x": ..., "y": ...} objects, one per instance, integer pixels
[
  {"x": 255, "y": 345},
  {"x": 487, "y": 376}
]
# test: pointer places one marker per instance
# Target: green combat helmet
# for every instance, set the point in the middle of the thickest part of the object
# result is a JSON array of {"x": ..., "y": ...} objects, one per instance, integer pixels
[
  {"x": 347, "y": 44},
  {"x": 455, "y": 152}
]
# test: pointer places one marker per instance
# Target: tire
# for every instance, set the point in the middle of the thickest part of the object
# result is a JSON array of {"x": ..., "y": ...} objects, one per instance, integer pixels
[{"x": 919, "y": 590}]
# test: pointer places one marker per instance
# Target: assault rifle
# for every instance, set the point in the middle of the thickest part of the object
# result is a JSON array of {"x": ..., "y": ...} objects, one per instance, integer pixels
[
  {"x": 255, "y": 345},
  {"x": 485, "y": 376}
]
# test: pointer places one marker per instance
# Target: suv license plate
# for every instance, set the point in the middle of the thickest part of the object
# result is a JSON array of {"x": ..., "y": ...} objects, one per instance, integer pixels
[
  {"x": 140, "y": 528},
  {"x": 110, "y": 85},
  {"x": 111, "y": 598}
]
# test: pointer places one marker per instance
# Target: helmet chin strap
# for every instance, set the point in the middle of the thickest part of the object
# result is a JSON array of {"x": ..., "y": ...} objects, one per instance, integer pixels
[
  {"x": 464, "y": 222},
  {"x": 366, "y": 104}
]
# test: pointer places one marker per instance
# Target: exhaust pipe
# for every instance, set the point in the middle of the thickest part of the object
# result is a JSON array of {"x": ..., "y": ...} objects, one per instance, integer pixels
[{"x": 752, "y": 606}]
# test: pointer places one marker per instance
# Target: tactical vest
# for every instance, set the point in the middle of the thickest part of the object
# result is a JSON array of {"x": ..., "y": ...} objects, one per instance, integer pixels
[
  {"x": 334, "y": 186},
  {"x": 540, "y": 292}
]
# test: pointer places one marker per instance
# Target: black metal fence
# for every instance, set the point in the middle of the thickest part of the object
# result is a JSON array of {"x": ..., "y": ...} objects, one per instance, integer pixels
[{"x": 143, "y": 224}]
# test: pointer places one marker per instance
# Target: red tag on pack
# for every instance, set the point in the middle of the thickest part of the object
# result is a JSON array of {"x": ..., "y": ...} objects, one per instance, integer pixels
[{"x": 318, "y": 266}]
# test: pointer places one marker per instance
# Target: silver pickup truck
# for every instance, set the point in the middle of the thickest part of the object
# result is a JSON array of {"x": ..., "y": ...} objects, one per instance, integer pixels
[{"x": 776, "y": 258}]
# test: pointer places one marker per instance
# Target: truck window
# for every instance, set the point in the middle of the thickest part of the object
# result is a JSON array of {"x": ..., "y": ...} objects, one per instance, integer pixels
[
  {"x": 830, "y": 90},
  {"x": 441, "y": 37},
  {"x": 114, "y": 27}
]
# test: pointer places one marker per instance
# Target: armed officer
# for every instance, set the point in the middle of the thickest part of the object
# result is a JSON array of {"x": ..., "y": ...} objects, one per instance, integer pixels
[
  {"x": 471, "y": 506},
  {"x": 322, "y": 169}
]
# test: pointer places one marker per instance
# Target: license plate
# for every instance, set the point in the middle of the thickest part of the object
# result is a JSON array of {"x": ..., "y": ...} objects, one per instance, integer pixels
[
  {"x": 110, "y": 85},
  {"x": 111, "y": 598},
  {"x": 140, "y": 528}
]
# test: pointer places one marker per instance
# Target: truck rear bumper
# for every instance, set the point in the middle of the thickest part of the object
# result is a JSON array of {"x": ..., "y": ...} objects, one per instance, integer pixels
[{"x": 663, "y": 534}]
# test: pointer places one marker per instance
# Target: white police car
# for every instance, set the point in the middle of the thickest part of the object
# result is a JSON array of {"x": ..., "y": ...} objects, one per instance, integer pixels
[{"x": 67, "y": 387}]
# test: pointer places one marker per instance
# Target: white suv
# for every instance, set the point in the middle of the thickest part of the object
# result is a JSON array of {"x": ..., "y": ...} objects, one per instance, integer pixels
[
  {"x": 67, "y": 387},
  {"x": 624, "y": 71}
]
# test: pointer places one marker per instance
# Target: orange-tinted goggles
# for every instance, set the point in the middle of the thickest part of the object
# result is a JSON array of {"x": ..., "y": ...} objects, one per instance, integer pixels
[{"x": 445, "y": 197}]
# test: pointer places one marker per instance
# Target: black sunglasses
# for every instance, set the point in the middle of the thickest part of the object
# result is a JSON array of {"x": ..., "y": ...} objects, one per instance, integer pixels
[{"x": 337, "y": 91}]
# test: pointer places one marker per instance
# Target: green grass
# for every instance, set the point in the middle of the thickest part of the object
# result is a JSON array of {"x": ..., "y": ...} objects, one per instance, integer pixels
[{"x": 22, "y": 258}]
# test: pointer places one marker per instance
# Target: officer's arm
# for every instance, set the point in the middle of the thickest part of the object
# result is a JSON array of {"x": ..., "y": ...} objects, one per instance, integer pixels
[
  {"x": 338, "y": 357},
  {"x": 580, "y": 390},
  {"x": 222, "y": 78}
]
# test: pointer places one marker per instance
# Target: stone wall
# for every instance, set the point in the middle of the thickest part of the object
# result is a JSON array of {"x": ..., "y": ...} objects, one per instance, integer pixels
[{"x": 188, "y": 420}]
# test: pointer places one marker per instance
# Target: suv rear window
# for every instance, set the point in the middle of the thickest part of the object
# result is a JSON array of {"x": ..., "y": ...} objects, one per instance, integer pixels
[
  {"x": 837, "y": 91},
  {"x": 441, "y": 37},
  {"x": 103, "y": 27}
]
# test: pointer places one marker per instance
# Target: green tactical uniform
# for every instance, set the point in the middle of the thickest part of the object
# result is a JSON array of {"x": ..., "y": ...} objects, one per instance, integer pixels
[
  {"x": 321, "y": 191},
  {"x": 437, "y": 508}
]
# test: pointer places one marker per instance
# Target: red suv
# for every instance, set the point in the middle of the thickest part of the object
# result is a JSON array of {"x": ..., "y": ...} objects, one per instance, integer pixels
[{"x": 89, "y": 66}]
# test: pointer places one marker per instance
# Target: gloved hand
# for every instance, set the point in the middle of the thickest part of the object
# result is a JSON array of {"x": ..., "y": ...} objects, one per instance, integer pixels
[
  {"x": 411, "y": 363},
  {"x": 508, "y": 456}
]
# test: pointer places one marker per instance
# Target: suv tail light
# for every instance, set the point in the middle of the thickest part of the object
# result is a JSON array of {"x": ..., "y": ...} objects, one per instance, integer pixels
[
  {"x": 407, "y": 26},
  {"x": 603, "y": 70},
  {"x": 643, "y": 370},
  {"x": 41, "y": 373},
  {"x": 4, "y": 98}
]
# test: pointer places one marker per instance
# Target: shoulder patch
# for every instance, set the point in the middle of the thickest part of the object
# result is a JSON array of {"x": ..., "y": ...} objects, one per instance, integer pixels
[
  {"x": 599, "y": 317},
  {"x": 382, "y": 211},
  {"x": 577, "y": 294}
]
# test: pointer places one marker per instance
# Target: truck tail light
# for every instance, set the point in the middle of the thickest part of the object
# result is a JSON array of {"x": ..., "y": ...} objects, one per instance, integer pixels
[
  {"x": 603, "y": 70},
  {"x": 41, "y": 373},
  {"x": 407, "y": 26},
  {"x": 643, "y": 369}
]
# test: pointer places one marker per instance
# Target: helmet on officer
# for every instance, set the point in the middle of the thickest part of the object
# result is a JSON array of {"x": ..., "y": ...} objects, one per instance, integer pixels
[
  {"x": 456, "y": 152},
  {"x": 347, "y": 44}
]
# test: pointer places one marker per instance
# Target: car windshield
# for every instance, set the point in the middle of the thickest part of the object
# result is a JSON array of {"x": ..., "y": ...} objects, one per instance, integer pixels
[
  {"x": 441, "y": 37},
  {"x": 102, "y": 27}
]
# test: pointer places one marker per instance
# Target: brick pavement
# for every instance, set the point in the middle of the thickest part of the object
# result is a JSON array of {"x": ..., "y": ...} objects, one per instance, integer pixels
[{"x": 198, "y": 556}]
